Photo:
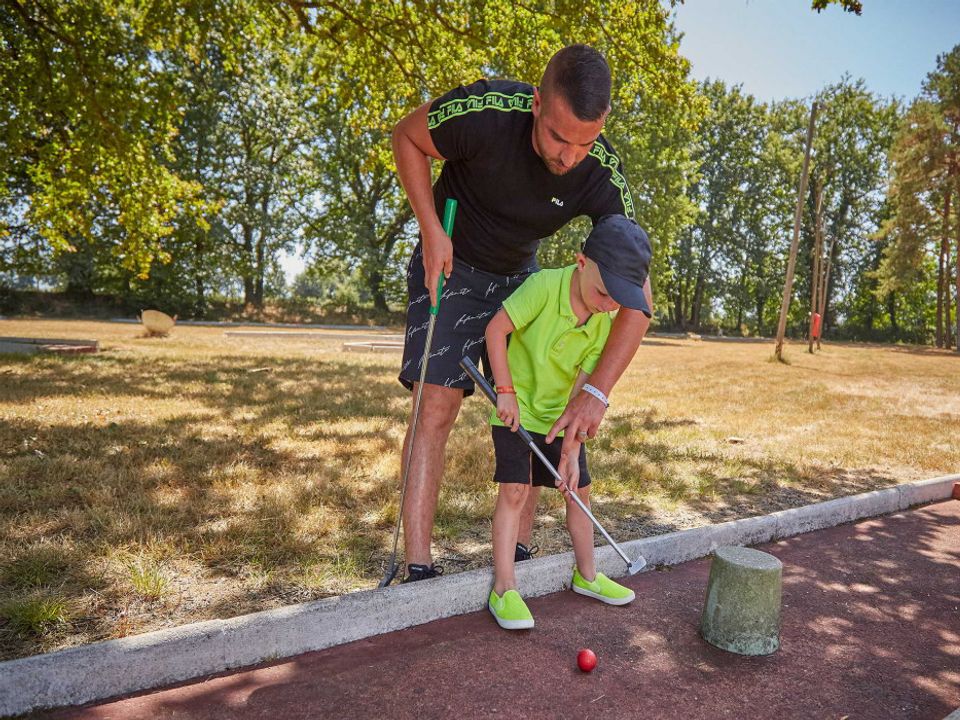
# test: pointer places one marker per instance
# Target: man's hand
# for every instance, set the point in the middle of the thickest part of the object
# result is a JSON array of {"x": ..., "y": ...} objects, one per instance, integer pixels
[
  {"x": 508, "y": 410},
  {"x": 579, "y": 421},
  {"x": 437, "y": 258},
  {"x": 569, "y": 470}
]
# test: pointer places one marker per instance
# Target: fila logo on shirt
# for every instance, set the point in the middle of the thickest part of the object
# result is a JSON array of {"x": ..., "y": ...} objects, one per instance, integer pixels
[{"x": 557, "y": 201}]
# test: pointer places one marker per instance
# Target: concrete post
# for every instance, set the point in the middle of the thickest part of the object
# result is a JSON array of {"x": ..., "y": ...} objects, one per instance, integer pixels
[{"x": 741, "y": 613}]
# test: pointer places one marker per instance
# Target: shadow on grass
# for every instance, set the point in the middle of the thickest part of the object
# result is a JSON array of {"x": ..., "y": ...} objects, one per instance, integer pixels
[
  {"x": 282, "y": 486},
  {"x": 632, "y": 453},
  {"x": 243, "y": 479}
]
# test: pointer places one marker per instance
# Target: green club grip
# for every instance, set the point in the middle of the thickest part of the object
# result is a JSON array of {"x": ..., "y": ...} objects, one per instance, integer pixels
[{"x": 449, "y": 211}]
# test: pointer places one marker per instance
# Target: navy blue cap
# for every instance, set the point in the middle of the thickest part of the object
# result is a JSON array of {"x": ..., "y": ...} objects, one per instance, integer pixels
[{"x": 622, "y": 251}]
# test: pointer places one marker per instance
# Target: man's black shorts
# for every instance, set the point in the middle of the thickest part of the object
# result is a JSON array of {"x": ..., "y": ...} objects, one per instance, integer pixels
[
  {"x": 470, "y": 299},
  {"x": 515, "y": 460}
]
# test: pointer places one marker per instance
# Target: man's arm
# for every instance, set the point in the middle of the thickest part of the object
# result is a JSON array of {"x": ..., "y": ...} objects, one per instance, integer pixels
[
  {"x": 412, "y": 150},
  {"x": 584, "y": 412}
]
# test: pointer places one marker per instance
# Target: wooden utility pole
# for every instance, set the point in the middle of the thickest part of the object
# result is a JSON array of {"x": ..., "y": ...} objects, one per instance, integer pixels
[
  {"x": 798, "y": 214},
  {"x": 828, "y": 258},
  {"x": 815, "y": 270}
]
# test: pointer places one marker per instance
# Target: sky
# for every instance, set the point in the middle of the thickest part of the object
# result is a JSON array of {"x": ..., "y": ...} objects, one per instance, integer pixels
[{"x": 781, "y": 49}]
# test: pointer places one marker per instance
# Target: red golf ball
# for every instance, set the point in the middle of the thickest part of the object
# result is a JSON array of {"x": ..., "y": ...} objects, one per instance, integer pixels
[{"x": 586, "y": 660}]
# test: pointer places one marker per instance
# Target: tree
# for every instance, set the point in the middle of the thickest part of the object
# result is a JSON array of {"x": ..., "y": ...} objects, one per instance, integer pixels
[
  {"x": 925, "y": 194},
  {"x": 93, "y": 100},
  {"x": 727, "y": 256},
  {"x": 854, "y": 134},
  {"x": 943, "y": 87}
]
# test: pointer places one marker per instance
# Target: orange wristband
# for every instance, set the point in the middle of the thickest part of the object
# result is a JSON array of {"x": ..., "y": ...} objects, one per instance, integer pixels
[{"x": 506, "y": 390}]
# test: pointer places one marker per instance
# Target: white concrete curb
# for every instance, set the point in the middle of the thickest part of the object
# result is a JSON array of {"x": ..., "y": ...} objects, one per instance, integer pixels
[{"x": 116, "y": 667}]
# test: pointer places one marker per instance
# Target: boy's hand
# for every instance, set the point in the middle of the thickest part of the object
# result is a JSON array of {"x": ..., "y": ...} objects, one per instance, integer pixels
[
  {"x": 508, "y": 410},
  {"x": 569, "y": 470}
]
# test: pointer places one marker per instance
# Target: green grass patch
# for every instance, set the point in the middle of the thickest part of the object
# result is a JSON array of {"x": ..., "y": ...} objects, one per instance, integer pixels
[{"x": 36, "y": 614}]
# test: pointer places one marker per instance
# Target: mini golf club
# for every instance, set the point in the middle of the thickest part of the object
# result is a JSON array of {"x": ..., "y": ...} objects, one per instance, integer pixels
[
  {"x": 449, "y": 211},
  {"x": 633, "y": 566}
]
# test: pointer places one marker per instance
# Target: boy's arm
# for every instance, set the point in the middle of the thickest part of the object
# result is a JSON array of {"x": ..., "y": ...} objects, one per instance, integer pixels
[{"x": 496, "y": 336}]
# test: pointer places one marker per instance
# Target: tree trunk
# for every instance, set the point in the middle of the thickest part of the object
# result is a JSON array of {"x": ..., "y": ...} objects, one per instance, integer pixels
[
  {"x": 939, "y": 336},
  {"x": 248, "y": 290},
  {"x": 262, "y": 237},
  {"x": 260, "y": 271},
  {"x": 200, "y": 302},
  {"x": 375, "y": 285},
  {"x": 697, "y": 302},
  {"x": 956, "y": 335},
  {"x": 792, "y": 261},
  {"x": 740, "y": 298},
  {"x": 943, "y": 277}
]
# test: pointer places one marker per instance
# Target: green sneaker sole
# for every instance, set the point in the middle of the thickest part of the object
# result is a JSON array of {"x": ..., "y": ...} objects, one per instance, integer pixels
[
  {"x": 603, "y": 598},
  {"x": 508, "y": 623}
]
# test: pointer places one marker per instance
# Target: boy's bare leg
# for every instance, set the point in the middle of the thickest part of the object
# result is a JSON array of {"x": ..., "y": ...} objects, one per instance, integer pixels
[
  {"x": 581, "y": 535},
  {"x": 529, "y": 512},
  {"x": 438, "y": 411},
  {"x": 506, "y": 521}
]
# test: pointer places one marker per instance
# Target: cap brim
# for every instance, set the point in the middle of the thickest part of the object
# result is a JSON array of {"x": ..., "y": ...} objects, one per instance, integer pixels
[{"x": 624, "y": 291}]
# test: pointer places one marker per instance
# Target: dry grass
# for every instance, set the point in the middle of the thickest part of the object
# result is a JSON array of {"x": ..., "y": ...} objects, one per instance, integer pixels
[{"x": 161, "y": 481}]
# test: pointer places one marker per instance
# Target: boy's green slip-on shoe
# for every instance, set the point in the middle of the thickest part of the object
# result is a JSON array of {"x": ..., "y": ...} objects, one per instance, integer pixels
[
  {"x": 510, "y": 611},
  {"x": 602, "y": 588}
]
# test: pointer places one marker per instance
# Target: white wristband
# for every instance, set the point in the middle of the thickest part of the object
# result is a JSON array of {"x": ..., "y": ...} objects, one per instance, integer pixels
[{"x": 598, "y": 394}]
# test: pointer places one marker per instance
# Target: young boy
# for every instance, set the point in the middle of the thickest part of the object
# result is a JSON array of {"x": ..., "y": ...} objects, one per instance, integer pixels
[{"x": 559, "y": 321}]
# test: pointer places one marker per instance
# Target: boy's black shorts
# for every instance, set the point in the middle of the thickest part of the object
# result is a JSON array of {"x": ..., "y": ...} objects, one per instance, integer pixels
[
  {"x": 515, "y": 459},
  {"x": 470, "y": 299}
]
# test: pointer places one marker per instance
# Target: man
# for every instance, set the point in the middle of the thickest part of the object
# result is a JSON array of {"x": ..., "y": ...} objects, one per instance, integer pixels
[{"x": 521, "y": 162}]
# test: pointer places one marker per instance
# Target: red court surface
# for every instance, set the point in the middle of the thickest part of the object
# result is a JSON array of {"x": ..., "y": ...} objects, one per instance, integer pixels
[{"x": 871, "y": 629}]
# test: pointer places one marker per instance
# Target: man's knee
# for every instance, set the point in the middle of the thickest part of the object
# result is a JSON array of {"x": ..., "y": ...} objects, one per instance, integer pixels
[{"x": 439, "y": 407}]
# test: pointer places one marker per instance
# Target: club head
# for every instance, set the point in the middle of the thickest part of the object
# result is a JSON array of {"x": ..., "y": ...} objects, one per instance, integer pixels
[
  {"x": 637, "y": 565},
  {"x": 389, "y": 575}
]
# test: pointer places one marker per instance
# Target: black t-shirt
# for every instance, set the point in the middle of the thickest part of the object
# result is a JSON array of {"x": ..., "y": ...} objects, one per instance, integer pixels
[{"x": 507, "y": 198}]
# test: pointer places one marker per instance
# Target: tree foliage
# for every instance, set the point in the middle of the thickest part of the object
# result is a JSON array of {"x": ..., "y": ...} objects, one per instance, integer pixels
[{"x": 173, "y": 152}]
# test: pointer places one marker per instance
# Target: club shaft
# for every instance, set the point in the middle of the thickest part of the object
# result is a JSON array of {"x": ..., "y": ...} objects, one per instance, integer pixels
[
  {"x": 573, "y": 496},
  {"x": 413, "y": 429},
  {"x": 481, "y": 382},
  {"x": 449, "y": 212}
]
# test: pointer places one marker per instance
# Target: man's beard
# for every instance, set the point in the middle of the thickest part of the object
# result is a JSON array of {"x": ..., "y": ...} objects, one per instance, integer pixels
[
  {"x": 556, "y": 168},
  {"x": 553, "y": 167}
]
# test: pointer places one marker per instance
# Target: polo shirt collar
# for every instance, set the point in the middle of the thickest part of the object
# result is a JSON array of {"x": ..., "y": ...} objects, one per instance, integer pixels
[{"x": 564, "y": 306}]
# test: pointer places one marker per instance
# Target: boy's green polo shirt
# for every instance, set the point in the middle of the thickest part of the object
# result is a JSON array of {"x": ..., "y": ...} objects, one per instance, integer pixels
[{"x": 547, "y": 349}]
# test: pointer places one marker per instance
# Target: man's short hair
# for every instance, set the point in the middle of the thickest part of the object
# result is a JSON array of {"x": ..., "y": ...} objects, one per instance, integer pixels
[{"x": 581, "y": 75}]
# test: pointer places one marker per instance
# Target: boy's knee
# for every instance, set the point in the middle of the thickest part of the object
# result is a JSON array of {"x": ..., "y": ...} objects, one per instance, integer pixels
[
  {"x": 514, "y": 493},
  {"x": 583, "y": 493}
]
